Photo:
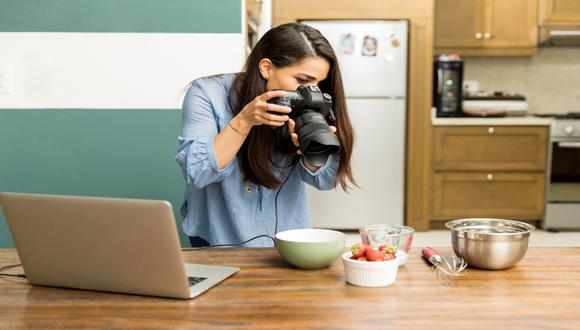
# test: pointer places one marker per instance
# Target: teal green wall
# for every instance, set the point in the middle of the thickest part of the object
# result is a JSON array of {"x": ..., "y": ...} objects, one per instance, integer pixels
[
  {"x": 93, "y": 152},
  {"x": 183, "y": 16},
  {"x": 100, "y": 152}
]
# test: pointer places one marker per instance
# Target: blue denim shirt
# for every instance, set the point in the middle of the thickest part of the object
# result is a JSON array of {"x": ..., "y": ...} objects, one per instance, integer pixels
[{"x": 220, "y": 206}]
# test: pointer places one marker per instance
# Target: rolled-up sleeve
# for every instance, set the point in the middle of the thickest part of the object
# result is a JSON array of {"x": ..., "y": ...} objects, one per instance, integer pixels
[
  {"x": 323, "y": 178},
  {"x": 199, "y": 127}
]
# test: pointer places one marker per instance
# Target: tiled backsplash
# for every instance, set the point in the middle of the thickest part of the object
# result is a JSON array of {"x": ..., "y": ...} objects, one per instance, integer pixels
[{"x": 550, "y": 80}]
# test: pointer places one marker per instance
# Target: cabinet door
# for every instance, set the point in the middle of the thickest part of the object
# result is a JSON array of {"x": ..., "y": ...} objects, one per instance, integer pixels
[
  {"x": 488, "y": 194},
  {"x": 483, "y": 148},
  {"x": 458, "y": 23},
  {"x": 510, "y": 23},
  {"x": 560, "y": 12}
]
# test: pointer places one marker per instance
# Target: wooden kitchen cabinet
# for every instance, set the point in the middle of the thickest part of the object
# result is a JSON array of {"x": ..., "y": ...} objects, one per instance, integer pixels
[
  {"x": 559, "y": 12},
  {"x": 490, "y": 148},
  {"x": 488, "y": 194},
  {"x": 510, "y": 24},
  {"x": 489, "y": 171},
  {"x": 458, "y": 22},
  {"x": 486, "y": 27}
]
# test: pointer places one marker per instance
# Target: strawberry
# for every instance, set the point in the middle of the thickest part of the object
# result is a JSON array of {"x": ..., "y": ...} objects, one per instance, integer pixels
[
  {"x": 374, "y": 255},
  {"x": 388, "y": 256},
  {"x": 358, "y": 250},
  {"x": 388, "y": 247},
  {"x": 363, "y": 258}
]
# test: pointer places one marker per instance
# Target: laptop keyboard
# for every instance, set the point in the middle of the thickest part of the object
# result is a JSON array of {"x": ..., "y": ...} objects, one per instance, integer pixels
[{"x": 193, "y": 280}]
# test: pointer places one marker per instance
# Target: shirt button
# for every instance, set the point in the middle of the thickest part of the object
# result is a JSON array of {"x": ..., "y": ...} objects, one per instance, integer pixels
[
  {"x": 248, "y": 189},
  {"x": 258, "y": 189}
]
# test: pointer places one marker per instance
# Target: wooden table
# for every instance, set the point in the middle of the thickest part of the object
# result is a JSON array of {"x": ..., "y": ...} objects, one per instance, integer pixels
[{"x": 542, "y": 292}]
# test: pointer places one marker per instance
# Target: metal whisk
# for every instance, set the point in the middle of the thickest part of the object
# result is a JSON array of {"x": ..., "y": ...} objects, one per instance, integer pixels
[{"x": 448, "y": 268}]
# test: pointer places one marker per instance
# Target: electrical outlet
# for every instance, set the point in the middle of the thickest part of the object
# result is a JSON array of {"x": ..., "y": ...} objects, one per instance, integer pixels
[
  {"x": 5, "y": 79},
  {"x": 471, "y": 86}
]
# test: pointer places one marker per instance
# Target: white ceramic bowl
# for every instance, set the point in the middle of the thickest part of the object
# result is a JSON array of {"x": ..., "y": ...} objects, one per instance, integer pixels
[{"x": 370, "y": 273}]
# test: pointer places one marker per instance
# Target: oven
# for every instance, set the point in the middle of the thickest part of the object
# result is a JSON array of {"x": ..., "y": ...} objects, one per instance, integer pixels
[{"x": 563, "y": 188}]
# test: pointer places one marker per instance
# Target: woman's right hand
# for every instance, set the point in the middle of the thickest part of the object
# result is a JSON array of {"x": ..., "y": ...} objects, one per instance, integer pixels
[{"x": 256, "y": 112}]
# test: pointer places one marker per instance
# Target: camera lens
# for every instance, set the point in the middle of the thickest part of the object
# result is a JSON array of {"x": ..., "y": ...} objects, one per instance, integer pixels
[{"x": 317, "y": 141}]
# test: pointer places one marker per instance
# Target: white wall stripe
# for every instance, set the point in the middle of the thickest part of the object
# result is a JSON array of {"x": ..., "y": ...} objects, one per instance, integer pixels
[{"x": 112, "y": 70}]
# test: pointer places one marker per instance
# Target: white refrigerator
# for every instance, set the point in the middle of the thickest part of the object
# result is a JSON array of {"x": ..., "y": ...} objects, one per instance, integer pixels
[{"x": 373, "y": 60}]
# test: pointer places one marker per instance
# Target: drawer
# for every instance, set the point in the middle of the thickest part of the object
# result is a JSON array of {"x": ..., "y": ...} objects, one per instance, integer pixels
[
  {"x": 488, "y": 194},
  {"x": 490, "y": 148}
]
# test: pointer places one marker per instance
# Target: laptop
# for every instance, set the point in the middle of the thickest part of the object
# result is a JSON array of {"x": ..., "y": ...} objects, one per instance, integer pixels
[{"x": 104, "y": 244}]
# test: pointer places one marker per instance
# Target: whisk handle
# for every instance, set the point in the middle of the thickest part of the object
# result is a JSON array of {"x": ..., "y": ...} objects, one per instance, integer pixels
[{"x": 428, "y": 252}]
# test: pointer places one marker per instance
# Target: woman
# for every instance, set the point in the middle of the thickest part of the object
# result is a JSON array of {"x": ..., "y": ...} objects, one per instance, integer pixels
[{"x": 237, "y": 151}]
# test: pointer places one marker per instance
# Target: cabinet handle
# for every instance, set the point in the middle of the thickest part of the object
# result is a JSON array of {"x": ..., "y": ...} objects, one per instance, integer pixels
[
  {"x": 478, "y": 35},
  {"x": 491, "y": 130},
  {"x": 487, "y": 35},
  {"x": 489, "y": 177}
]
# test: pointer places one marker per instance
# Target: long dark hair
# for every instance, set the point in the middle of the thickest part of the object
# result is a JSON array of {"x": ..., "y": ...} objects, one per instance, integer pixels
[{"x": 287, "y": 45}]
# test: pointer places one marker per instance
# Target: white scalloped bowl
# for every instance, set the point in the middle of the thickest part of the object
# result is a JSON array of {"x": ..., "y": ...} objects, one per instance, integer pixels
[{"x": 370, "y": 273}]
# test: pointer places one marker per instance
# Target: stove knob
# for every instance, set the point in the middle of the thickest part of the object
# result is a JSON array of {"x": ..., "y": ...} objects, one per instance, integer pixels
[{"x": 569, "y": 130}]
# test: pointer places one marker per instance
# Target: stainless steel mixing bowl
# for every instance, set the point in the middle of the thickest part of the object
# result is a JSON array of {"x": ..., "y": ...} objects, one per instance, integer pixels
[{"x": 490, "y": 243}]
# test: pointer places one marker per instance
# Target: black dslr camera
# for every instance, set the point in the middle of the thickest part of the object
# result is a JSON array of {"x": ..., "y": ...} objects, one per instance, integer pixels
[{"x": 310, "y": 108}]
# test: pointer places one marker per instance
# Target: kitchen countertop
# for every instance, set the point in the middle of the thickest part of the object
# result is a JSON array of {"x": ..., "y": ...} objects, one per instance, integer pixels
[
  {"x": 542, "y": 291},
  {"x": 493, "y": 121}
]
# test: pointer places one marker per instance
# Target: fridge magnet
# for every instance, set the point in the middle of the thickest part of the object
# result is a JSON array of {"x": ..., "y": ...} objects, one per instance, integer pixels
[
  {"x": 389, "y": 57},
  {"x": 395, "y": 42},
  {"x": 346, "y": 45},
  {"x": 369, "y": 46}
]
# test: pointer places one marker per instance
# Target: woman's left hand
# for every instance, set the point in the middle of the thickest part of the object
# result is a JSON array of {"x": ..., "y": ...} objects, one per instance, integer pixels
[{"x": 294, "y": 136}]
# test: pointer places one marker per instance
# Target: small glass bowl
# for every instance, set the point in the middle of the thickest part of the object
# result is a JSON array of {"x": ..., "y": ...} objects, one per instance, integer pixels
[{"x": 397, "y": 235}]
